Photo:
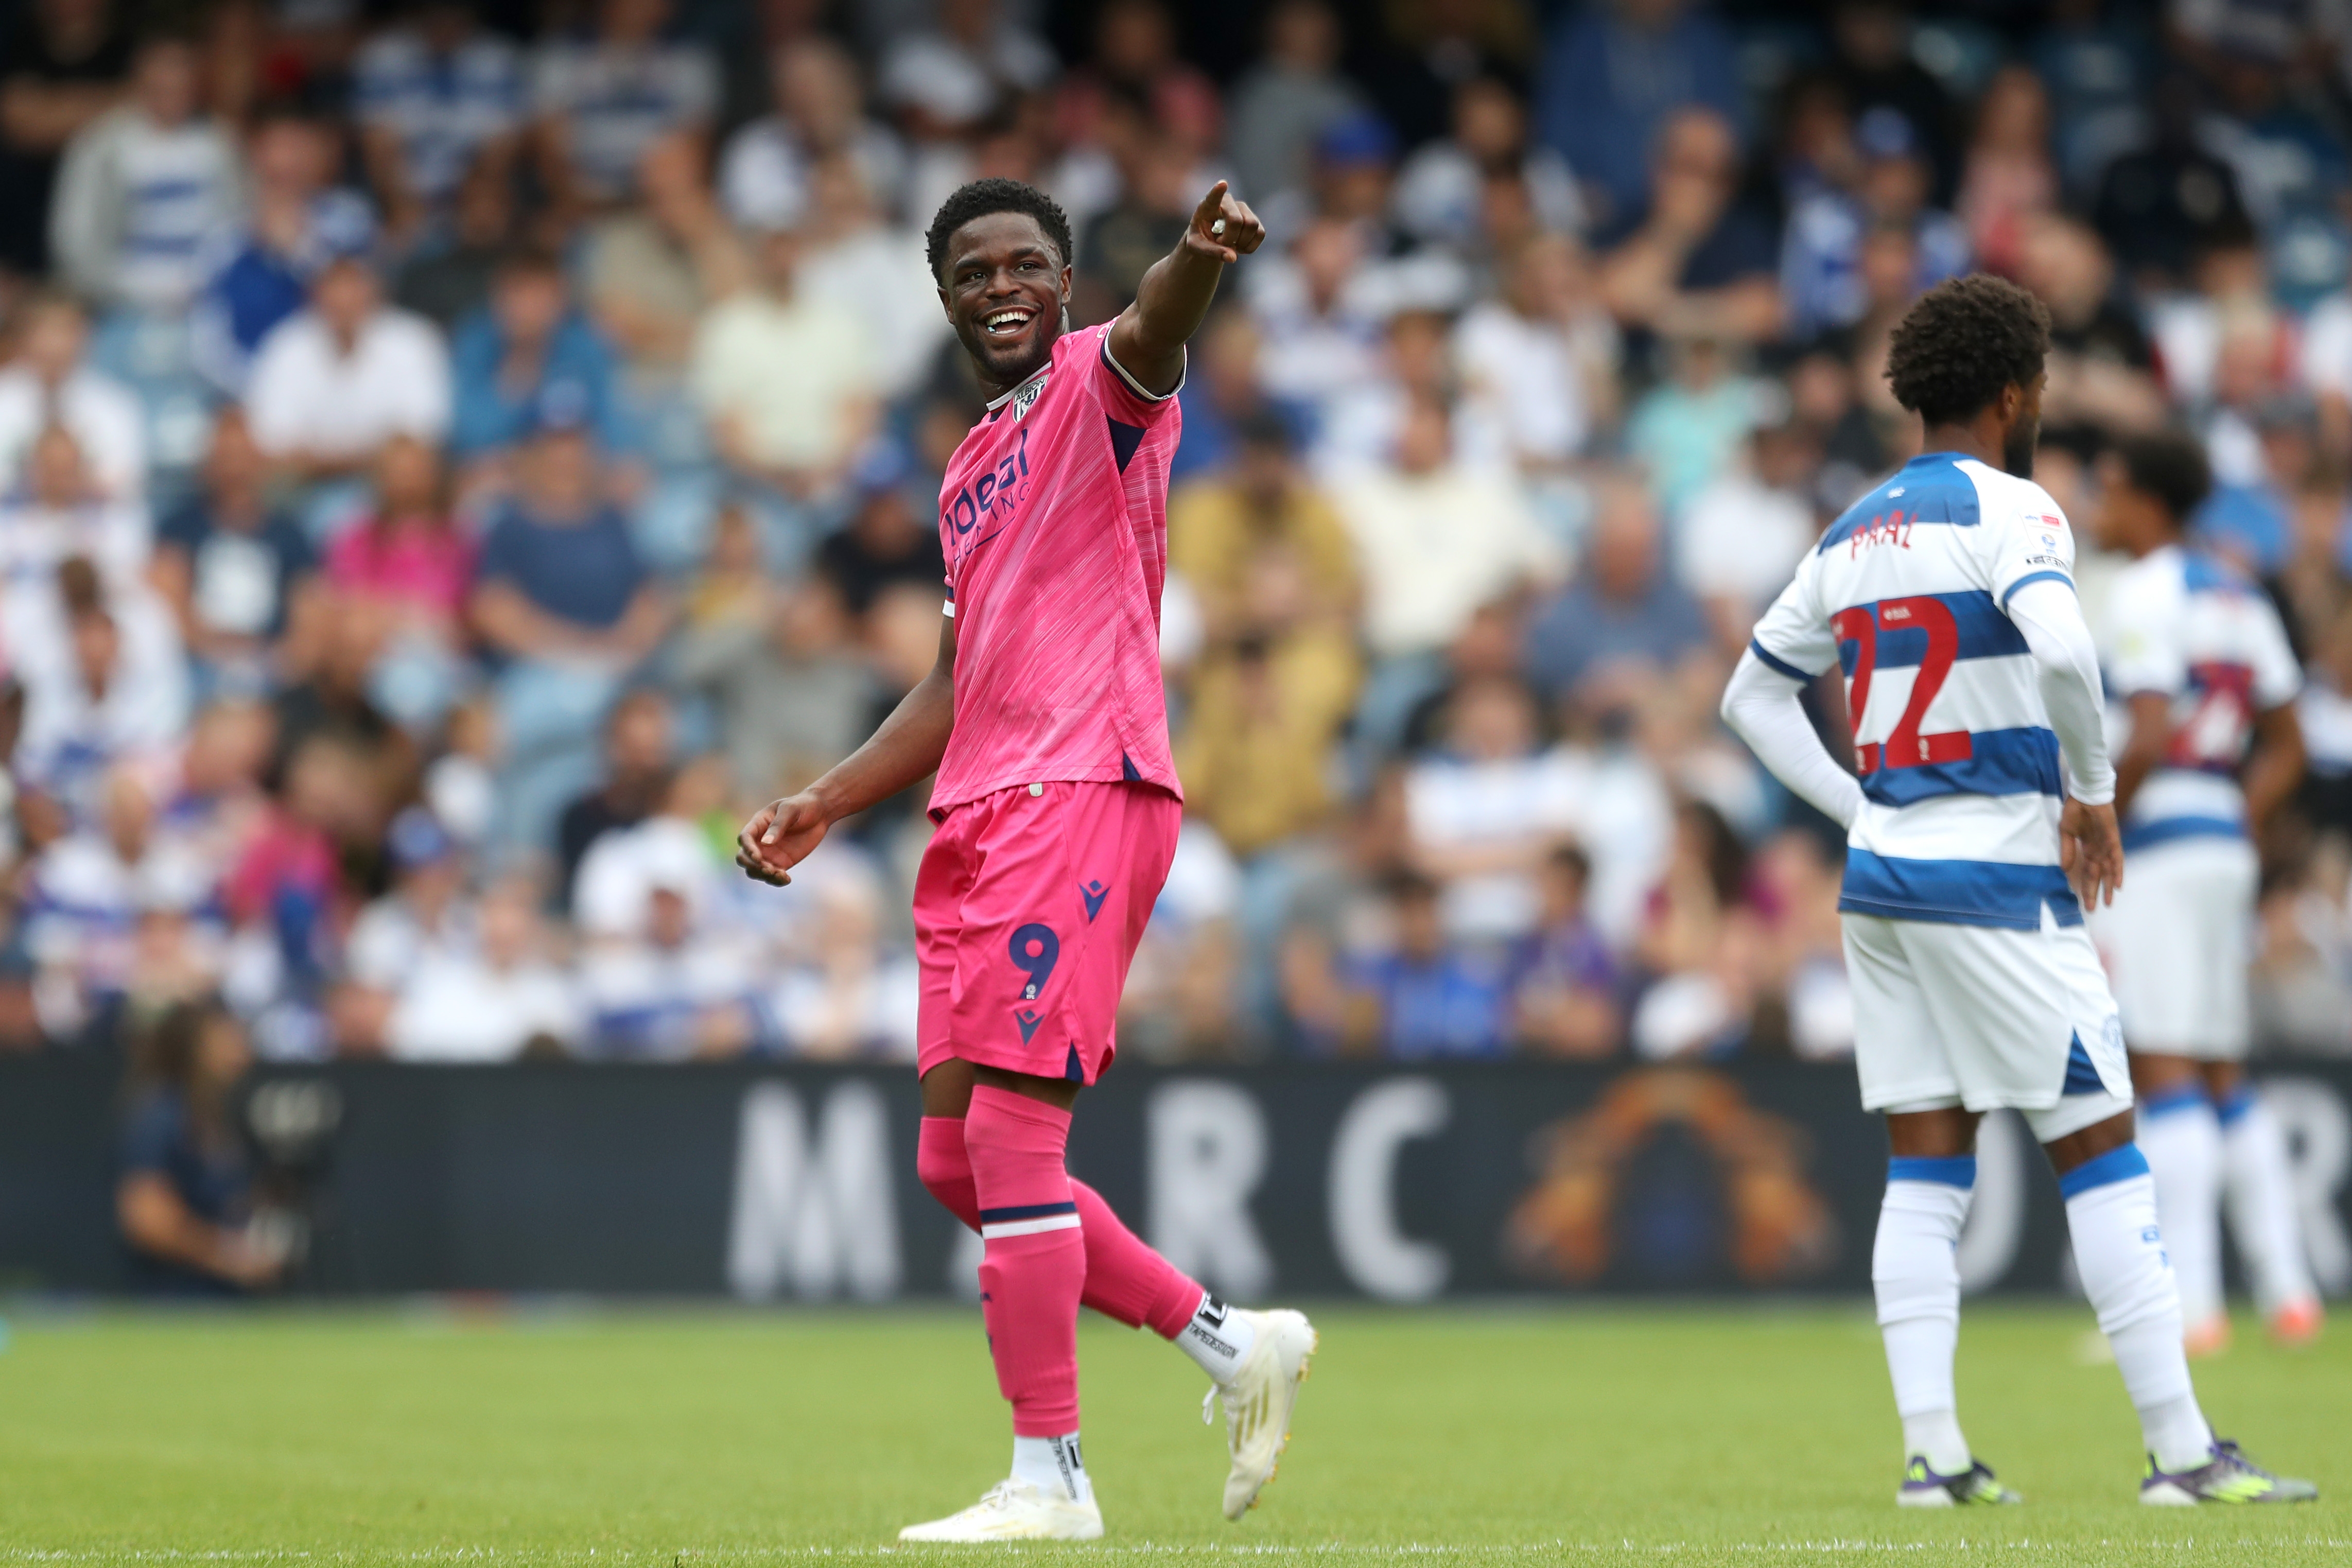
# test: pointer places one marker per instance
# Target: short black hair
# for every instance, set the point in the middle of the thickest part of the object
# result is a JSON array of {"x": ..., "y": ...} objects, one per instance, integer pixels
[
  {"x": 2170, "y": 466},
  {"x": 1961, "y": 343},
  {"x": 983, "y": 197}
]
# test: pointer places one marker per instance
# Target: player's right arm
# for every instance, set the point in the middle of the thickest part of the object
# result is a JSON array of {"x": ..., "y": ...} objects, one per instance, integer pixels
[
  {"x": 1793, "y": 643},
  {"x": 904, "y": 751},
  {"x": 2143, "y": 659}
]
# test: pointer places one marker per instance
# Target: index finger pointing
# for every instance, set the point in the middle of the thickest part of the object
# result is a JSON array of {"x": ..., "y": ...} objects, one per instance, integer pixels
[{"x": 1210, "y": 204}]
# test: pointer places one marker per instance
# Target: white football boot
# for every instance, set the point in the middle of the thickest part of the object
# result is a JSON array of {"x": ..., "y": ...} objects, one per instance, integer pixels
[
  {"x": 1259, "y": 1400},
  {"x": 1014, "y": 1511}
]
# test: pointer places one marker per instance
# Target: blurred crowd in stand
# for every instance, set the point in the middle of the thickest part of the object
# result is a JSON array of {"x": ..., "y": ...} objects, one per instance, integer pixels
[{"x": 455, "y": 462}]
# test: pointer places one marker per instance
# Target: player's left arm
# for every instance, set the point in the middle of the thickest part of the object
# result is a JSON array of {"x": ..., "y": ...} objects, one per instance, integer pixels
[{"x": 1149, "y": 337}]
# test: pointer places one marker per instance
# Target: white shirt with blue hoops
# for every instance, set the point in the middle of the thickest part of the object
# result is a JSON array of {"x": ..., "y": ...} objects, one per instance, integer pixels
[
  {"x": 1959, "y": 767},
  {"x": 2190, "y": 628}
]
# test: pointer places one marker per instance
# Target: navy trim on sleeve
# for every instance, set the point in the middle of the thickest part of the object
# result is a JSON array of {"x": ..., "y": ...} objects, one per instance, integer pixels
[
  {"x": 2034, "y": 577},
  {"x": 1779, "y": 665}
]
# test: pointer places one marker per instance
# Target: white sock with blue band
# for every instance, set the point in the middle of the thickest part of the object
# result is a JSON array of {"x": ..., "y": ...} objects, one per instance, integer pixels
[
  {"x": 2259, "y": 1189},
  {"x": 2181, "y": 1139},
  {"x": 1915, "y": 1274},
  {"x": 2119, "y": 1253}
]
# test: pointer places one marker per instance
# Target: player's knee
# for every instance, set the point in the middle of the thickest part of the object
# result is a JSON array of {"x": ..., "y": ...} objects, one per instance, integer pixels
[{"x": 944, "y": 1167}]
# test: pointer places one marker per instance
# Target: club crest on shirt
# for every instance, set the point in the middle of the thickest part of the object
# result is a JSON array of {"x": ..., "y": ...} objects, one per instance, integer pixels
[{"x": 1026, "y": 398}]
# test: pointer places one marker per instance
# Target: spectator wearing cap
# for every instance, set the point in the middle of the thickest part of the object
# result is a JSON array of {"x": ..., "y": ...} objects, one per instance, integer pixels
[
  {"x": 1695, "y": 262},
  {"x": 598, "y": 102},
  {"x": 1612, "y": 77},
  {"x": 235, "y": 568},
  {"x": 890, "y": 538},
  {"x": 1821, "y": 275},
  {"x": 258, "y": 272},
  {"x": 766, "y": 174},
  {"x": 436, "y": 94},
  {"x": 143, "y": 187},
  {"x": 52, "y": 382},
  {"x": 1283, "y": 101},
  {"x": 492, "y": 999},
  {"x": 787, "y": 382},
  {"x": 528, "y": 344},
  {"x": 332, "y": 383},
  {"x": 426, "y": 915},
  {"x": 560, "y": 580}
]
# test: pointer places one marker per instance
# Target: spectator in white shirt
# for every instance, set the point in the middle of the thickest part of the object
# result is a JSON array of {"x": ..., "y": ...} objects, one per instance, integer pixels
[
  {"x": 849, "y": 996},
  {"x": 1438, "y": 539},
  {"x": 819, "y": 113},
  {"x": 601, "y": 102},
  {"x": 786, "y": 379},
  {"x": 432, "y": 98},
  {"x": 876, "y": 271},
  {"x": 105, "y": 680},
  {"x": 672, "y": 991},
  {"x": 87, "y": 894},
  {"x": 1540, "y": 361},
  {"x": 50, "y": 383},
  {"x": 490, "y": 1000},
  {"x": 945, "y": 79},
  {"x": 332, "y": 384},
  {"x": 143, "y": 187},
  {"x": 59, "y": 514},
  {"x": 1744, "y": 533},
  {"x": 425, "y": 916}
]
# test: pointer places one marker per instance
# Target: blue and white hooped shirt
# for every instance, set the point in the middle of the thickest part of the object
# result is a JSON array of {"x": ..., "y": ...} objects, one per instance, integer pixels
[
  {"x": 2184, "y": 626},
  {"x": 1907, "y": 594}
]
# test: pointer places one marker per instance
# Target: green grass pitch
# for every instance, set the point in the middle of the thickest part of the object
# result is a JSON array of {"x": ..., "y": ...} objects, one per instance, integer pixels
[{"x": 1665, "y": 1434}]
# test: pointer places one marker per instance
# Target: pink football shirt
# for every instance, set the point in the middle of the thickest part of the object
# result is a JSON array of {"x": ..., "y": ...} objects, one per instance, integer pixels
[{"x": 1053, "y": 517}]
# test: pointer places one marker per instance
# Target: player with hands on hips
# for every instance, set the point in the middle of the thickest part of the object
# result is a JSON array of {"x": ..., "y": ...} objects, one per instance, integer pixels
[{"x": 1980, "y": 825}]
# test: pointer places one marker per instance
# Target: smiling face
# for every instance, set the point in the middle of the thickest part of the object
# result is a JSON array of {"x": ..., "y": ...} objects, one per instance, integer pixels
[{"x": 1005, "y": 287}]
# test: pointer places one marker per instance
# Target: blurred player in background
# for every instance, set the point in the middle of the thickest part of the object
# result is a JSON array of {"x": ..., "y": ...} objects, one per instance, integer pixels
[
  {"x": 2204, "y": 682},
  {"x": 1056, "y": 804},
  {"x": 1980, "y": 825}
]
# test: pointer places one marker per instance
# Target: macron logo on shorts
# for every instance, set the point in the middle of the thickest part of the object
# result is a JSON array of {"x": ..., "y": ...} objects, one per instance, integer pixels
[
  {"x": 1027, "y": 1220},
  {"x": 1094, "y": 893},
  {"x": 1028, "y": 1022}
]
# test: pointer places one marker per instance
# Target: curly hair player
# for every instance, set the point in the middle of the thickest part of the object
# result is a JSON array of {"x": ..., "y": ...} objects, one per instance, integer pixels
[
  {"x": 1980, "y": 825},
  {"x": 2202, "y": 667},
  {"x": 1056, "y": 805}
]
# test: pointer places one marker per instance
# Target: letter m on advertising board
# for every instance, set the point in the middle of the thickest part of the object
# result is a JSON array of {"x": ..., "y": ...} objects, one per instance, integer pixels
[{"x": 815, "y": 1215}]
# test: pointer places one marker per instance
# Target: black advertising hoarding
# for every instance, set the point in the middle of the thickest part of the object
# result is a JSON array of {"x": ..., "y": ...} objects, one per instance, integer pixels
[{"x": 783, "y": 1181}]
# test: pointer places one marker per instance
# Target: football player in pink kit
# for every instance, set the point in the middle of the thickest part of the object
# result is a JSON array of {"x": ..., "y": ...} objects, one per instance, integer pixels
[{"x": 1056, "y": 805}]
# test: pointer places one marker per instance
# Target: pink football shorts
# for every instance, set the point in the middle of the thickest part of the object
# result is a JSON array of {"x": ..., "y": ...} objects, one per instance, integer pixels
[{"x": 1028, "y": 908}]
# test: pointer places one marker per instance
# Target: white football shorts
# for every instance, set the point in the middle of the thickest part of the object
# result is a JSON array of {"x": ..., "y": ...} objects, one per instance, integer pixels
[
  {"x": 2177, "y": 942},
  {"x": 1985, "y": 1018}
]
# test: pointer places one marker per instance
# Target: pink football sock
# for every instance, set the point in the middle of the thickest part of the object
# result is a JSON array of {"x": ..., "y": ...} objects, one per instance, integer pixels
[
  {"x": 1035, "y": 1267},
  {"x": 1126, "y": 1280}
]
